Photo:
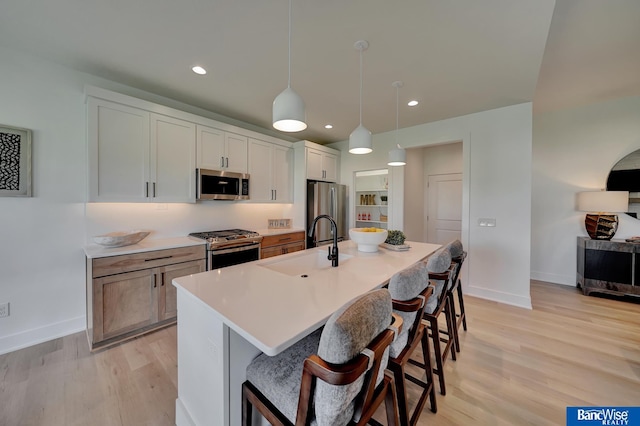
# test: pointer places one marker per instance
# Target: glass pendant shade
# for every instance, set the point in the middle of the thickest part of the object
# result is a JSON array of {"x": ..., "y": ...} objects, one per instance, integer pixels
[
  {"x": 397, "y": 156},
  {"x": 289, "y": 112},
  {"x": 360, "y": 141}
]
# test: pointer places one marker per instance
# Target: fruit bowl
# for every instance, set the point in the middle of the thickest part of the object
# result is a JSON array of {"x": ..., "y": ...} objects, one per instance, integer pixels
[
  {"x": 120, "y": 239},
  {"x": 368, "y": 239}
]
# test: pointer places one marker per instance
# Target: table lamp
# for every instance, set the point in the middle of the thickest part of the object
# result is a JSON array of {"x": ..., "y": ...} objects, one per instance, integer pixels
[{"x": 601, "y": 221}]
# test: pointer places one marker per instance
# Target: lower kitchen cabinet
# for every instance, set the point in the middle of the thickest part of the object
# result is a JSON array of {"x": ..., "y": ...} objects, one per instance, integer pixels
[
  {"x": 275, "y": 245},
  {"x": 128, "y": 295}
]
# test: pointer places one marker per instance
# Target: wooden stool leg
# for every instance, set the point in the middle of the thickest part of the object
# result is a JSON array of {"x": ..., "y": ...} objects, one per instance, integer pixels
[
  {"x": 403, "y": 409},
  {"x": 439, "y": 370},
  {"x": 461, "y": 302},
  {"x": 246, "y": 408},
  {"x": 390, "y": 402},
  {"x": 426, "y": 354},
  {"x": 452, "y": 330},
  {"x": 454, "y": 316}
]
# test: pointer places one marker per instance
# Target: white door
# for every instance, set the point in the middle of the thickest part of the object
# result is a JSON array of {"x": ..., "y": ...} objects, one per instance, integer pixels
[{"x": 444, "y": 208}]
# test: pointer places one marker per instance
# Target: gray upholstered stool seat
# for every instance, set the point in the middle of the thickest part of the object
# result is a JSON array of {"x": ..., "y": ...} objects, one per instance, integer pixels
[
  {"x": 439, "y": 270},
  {"x": 459, "y": 316},
  {"x": 410, "y": 291},
  {"x": 278, "y": 377},
  {"x": 334, "y": 376}
]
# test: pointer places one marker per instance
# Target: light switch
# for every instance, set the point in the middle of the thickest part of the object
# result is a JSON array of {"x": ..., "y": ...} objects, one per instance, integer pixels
[{"x": 487, "y": 222}]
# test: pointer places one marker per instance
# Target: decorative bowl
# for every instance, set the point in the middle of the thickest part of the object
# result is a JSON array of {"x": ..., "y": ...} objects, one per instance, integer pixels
[
  {"x": 120, "y": 239},
  {"x": 368, "y": 239}
]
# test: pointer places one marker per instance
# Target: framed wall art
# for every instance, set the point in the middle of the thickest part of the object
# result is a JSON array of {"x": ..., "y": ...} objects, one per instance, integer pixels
[{"x": 15, "y": 162}]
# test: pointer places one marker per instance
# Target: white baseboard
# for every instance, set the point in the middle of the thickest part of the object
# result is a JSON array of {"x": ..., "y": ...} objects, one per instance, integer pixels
[
  {"x": 34, "y": 336},
  {"x": 554, "y": 278},
  {"x": 499, "y": 296}
]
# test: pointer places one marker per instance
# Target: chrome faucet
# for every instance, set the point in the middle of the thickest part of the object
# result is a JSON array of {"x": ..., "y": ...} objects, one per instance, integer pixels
[{"x": 333, "y": 251}]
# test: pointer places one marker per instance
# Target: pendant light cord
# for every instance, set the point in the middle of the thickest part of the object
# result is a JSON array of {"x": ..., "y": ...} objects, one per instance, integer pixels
[
  {"x": 289, "y": 83},
  {"x": 397, "y": 114},
  {"x": 361, "y": 49}
]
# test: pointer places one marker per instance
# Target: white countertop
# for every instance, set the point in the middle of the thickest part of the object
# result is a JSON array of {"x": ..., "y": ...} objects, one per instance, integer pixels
[
  {"x": 273, "y": 310},
  {"x": 94, "y": 251},
  {"x": 268, "y": 232}
]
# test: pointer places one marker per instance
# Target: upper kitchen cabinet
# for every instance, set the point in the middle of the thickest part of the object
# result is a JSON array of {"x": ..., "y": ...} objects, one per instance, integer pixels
[
  {"x": 321, "y": 163},
  {"x": 139, "y": 156},
  {"x": 220, "y": 150},
  {"x": 271, "y": 170}
]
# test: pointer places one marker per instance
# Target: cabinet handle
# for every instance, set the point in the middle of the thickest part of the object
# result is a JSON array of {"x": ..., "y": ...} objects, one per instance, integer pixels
[
  {"x": 275, "y": 194},
  {"x": 154, "y": 190},
  {"x": 227, "y": 163},
  {"x": 221, "y": 161},
  {"x": 158, "y": 258},
  {"x": 155, "y": 281},
  {"x": 146, "y": 190}
]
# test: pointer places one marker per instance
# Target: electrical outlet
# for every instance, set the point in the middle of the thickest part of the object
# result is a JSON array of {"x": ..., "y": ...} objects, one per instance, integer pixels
[{"x": 4, "y": 310}]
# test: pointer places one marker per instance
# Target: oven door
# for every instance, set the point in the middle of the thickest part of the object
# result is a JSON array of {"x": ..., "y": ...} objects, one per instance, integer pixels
[{"x": 234, "y": 255}]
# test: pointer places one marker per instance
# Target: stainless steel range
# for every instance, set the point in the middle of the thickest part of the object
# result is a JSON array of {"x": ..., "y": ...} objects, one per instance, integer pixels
[{"x": 230, "y": 247}]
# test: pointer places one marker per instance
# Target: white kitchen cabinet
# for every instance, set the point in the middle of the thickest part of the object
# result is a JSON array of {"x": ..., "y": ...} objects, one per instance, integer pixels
[
  {"x": 138, "y": 156},
  {"x": 220, "y": 150},
  {"x": 271, "y": 169},
  {"x": 322, "y": 165}
]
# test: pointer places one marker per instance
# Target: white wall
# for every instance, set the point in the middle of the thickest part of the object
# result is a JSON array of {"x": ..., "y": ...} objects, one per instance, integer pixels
[
  {"x": 496, "y": 184},
  {"x": 41, "y": 258},
  {"x": 573, "y": 151}
]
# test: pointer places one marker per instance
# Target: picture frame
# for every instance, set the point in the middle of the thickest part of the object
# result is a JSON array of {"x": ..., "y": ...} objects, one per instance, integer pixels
[{"x": 15, "y": 162}]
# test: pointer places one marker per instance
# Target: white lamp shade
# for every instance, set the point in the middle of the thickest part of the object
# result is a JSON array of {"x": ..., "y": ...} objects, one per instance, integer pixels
[
  {"x": 288, "y": 112},
  {"x": 397, "y": 157},
  {"x": 360, "y": 141},
  {"x": 603, "y": 201}
]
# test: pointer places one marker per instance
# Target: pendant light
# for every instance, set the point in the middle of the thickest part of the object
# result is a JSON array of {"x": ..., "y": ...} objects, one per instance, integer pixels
[
  {"x": 397, "y": 156},
  {"x": 360, "y": 138},
  {"x": 288, "y": 107}
]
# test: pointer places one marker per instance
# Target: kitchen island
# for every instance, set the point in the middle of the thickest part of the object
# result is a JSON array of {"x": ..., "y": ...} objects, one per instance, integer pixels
[{"x": 226, "y": 317}]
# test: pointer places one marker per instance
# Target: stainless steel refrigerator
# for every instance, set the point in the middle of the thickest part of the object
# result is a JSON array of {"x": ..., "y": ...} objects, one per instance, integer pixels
[{"x": 330, "y": 199}]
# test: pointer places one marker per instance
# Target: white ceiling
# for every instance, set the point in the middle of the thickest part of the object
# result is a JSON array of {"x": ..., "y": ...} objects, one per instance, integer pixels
[{"x": 455, "y": 56}]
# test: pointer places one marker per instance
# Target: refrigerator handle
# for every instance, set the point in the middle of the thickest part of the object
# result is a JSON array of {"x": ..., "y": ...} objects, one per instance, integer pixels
[{"x": 332, "y": 207}]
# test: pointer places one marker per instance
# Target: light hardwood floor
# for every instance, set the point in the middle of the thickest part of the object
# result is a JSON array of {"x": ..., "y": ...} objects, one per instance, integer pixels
[{"x": 517, "y": 367}]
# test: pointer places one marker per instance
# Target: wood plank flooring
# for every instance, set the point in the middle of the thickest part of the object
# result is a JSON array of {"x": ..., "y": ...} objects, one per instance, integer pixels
[{"x": 517, "y": 367}]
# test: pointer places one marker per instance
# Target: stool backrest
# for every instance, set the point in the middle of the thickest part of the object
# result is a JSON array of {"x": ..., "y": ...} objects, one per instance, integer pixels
[
  {"x": 457, "y": 258},
  {"x": 347, "y": 333},
  {"x": 407, "y": 285},
  {"x": 439, "y": 269}
]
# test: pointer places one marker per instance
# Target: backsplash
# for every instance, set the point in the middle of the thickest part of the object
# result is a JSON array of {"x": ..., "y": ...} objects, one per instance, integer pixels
[{"x": 176, "y": 220}]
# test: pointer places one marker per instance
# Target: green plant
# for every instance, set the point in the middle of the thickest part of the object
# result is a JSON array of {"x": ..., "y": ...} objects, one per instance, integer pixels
[{"x": 395, "y": 238}]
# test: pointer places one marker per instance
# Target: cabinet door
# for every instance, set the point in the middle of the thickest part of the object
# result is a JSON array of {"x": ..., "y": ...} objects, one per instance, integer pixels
[
  {"x": 314, "y": 164},
  {"x": 167, "y": 294},
  {"x": 236, "y": 156},
  {"x": 118, "y": 152},
  {"x": 260, "y": 169},
  {"x": 173, "y": 160},
  {"x": 211, "y": 150},
  {"x": 282, "y": 173},
  {"x": 330, "y": 167},
  {"x": 124, "y": 303}
]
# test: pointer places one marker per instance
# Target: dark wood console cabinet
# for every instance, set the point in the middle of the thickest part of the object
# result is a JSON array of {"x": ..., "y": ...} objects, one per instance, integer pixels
[{"x": 611, "y": 267}]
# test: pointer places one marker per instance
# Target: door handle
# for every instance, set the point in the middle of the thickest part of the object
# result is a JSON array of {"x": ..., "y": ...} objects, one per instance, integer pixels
[
  {"x": 221, "y": 161},
  {"x": 227, "y": 162},
  {"x": 154, "y": 190},
  {"x": 146, "y": 189}
]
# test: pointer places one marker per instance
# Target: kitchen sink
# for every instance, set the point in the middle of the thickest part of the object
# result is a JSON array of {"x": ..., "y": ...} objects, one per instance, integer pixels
[{"x": 305, "y": 263}]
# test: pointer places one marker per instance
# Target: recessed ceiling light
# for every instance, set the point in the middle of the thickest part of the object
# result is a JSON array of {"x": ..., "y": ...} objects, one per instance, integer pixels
[
  {"x": 413, "y": 103},
  {"x": 328, "y": 126},
  {"x": 199, "y": 70}
]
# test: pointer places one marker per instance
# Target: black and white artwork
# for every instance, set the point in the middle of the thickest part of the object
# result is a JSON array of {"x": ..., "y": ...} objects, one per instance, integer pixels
[{"x": 15, "y": 162}]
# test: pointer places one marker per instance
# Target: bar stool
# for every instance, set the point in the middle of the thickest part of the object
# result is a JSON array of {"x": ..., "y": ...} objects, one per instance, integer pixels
[
  {"x": 458, "y": 255},
  {"x": 335, "y": 376},
  {"x": 439, "y": 269},
  {"x": 410, "y": 291}
]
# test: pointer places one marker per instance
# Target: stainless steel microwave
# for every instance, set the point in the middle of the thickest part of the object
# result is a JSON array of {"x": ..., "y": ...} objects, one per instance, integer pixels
[{"x": 221, "y": 185}]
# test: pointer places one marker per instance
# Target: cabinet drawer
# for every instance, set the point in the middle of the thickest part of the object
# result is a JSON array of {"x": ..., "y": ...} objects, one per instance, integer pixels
[
  {"x": 281, "y": 249},
  {"x": 275, "y": 240},
  {"x": 134, "y": 262}
]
